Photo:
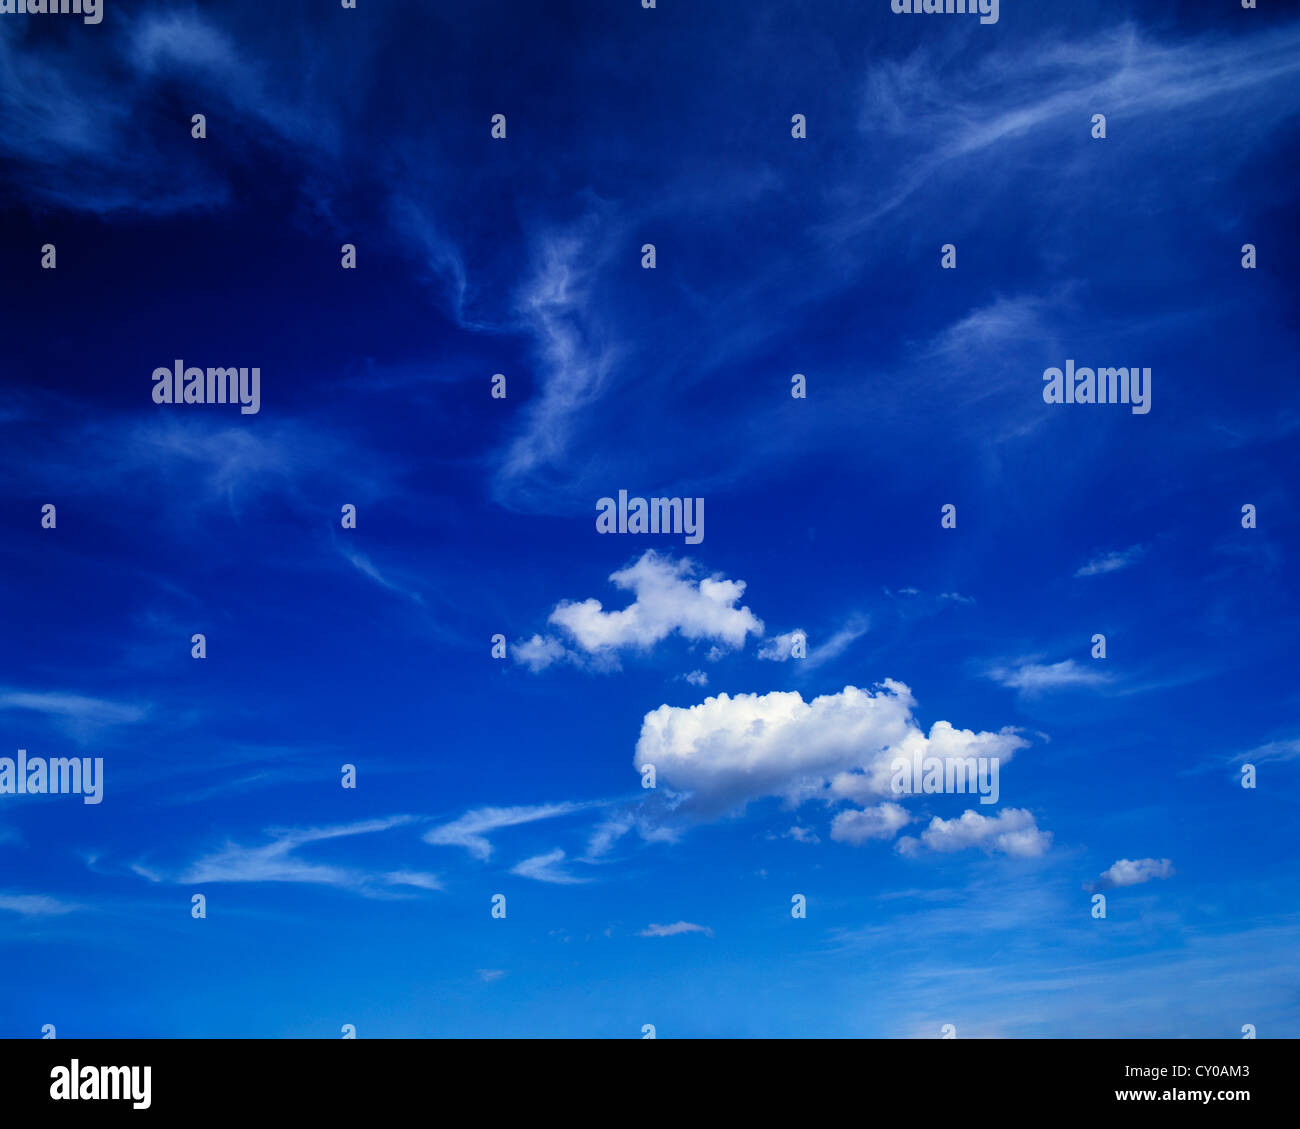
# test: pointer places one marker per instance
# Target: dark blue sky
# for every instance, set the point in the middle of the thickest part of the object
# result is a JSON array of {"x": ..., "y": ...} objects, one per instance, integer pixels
[{"x": 372, "y": 646}]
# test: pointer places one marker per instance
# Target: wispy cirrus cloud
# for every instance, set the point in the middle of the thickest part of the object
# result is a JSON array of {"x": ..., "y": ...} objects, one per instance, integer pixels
[
  {"x": 547, "y": 867},
  {"x": 35, "y": 905},
  {"x": 780, "y": 648},
  {"x": 471, "y": 830},
  {"x": 608, "y": 832},
  {"x": 201, "y": 460},
  {"x": 276, "y": 861},
  {"x": 676, "y": 929},
  {"x": 918, "y": 104},
  {"x": 80, "y": 136},
  {"x": 364, "y": 565},
  {"x": 1271, "y": 751},
  {"x": 576, "y": 352},
  {"x": 80, "y": 716},
  {"x": 1111, "y": 562},
  {"x": 1035, "y": 677}
]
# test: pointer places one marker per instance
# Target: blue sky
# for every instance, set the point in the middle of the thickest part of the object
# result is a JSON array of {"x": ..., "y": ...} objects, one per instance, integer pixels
[{"x": 520, "y": 776}]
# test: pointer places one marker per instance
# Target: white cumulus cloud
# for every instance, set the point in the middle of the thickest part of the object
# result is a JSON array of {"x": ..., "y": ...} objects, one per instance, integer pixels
[
  {"x": 540, "y": 651},
  {"x": 727, "y": 751},
  {"x": 781, "y": 647},
  {"x": 1013, "y": 831},
  {"x": 1131, "y": 872},
  {"x": 879, "y": 822},
  {"x": 667, "y": 600}
]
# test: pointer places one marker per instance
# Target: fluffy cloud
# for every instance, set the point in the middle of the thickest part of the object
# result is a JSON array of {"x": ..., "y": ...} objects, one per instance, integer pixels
[
  {"x": 945, "y": 741},
  {"x": 1012, "y": 831},
  {"x": 539, "y": 652},
  {"x": 666, "y": 600},
  {"x": 727, "y": 751},
  {"x": 858, "y": 827},
  {"x": 1131, "y": 872},
  {"x": 781, "y": 647}
]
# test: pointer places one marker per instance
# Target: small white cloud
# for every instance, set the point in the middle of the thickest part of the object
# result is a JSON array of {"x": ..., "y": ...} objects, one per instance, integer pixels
[
  {"x": 366, "y": 567},
  {"x": 488, "y": 975},
  {"x": 991, "y": 329},
  {"x": 1273, "y": 751},
  {"x": 675, "y": 930},
  {"x": 697, "y": 678},
  {"x": 880, "y": 822},
  {"x": 666, "y": 601},
  {"x": 608, "y": 832},
  {"x": 79, "y": 716},
  {"x": 1131, "y": 872},
  {"x": 1013, "y": 831},
  {"x": 539, "y": 652},
  {"x": 416, "y": 878},
  {"x": 547, "y": 868},
  {"x": 34, "y": 905},
  {"x": 1034, "y": 678},
  {"x": 781, "y": 647},
  {"x": 471, "y": 829},
  {"x": 853, "y": 630},
  {"x": 1111, "y": 562},
  {"x": 276, "y": 862}
]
